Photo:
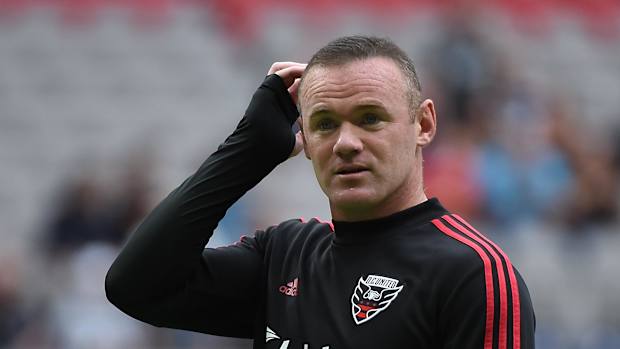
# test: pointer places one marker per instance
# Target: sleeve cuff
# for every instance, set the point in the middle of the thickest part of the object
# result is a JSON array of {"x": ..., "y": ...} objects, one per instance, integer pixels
[{"x": 275, "y": 83}]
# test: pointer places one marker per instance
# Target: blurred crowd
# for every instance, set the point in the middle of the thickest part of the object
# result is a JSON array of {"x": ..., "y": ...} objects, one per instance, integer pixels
[
  {"x": 527, "y": 161},
  {"x": 521, "y": 154}
]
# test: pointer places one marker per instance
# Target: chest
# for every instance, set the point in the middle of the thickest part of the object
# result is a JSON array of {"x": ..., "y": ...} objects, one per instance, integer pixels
[{"x": 350, "y": 298}]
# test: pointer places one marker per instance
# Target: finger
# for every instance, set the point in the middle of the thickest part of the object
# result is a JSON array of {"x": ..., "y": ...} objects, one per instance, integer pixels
[
  {"x": 282, "y": 65},
  {"x": 299, "y": 145},
  {"x": 279, "y": 66},
  {"x": 291, "y": 73},
  {"x": 293, "y": 89}
]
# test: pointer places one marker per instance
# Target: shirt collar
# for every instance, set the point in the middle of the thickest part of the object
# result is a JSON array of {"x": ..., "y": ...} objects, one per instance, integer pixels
[{"x": 363, "y": 231}]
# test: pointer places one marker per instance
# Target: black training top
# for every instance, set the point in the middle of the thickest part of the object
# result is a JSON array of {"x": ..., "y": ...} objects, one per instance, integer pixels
[{"x": 420, "y": 278}]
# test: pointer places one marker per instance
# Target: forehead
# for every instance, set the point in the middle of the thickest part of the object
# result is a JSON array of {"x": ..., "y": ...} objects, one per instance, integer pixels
[{"x": 371, "y": 78}]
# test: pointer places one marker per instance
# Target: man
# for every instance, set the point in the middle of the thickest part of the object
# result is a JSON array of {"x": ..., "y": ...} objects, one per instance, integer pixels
[{"x": 393, "y": 269}]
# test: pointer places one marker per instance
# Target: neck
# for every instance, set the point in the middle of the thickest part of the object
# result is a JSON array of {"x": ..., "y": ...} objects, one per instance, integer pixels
[{"x": 380, "y": 210}]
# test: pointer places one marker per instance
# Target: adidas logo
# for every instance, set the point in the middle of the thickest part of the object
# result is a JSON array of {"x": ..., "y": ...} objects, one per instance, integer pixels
[{"x": 290, "y": 289}]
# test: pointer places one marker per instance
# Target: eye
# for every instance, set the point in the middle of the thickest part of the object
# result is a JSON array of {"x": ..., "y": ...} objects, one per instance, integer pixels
[
  {"x": 370, "y": 119},
  {"x": 325, "y": 124}
]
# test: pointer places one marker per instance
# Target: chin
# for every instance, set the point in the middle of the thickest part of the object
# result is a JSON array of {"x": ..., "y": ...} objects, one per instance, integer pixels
[{"x": 353, "y": 198}]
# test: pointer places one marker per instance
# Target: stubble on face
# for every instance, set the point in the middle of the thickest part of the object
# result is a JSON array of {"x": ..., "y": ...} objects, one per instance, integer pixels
[{"x": 367, "y": 169}]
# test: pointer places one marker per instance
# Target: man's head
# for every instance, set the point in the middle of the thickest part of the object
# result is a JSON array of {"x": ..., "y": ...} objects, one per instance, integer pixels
[
  {"x": 352, "y": 48},
  {"x": 364, "y": 125}
]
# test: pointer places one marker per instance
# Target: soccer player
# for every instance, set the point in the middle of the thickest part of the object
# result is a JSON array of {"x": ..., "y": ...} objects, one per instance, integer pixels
[{"x": 392, "y": 269}]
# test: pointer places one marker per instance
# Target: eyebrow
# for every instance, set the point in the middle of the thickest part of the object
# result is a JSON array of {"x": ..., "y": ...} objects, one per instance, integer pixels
[
  {"x": 370, "y": 106},
  {"x": 319, "y": 112},
  {"x": 325, "y": 110}
]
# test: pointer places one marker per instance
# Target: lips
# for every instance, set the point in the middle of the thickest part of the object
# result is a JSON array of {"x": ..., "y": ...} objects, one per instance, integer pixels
[{"x": 350, "y": 169}]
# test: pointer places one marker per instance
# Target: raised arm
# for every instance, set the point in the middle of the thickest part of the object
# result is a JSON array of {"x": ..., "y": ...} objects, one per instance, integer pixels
[{"x": 163, "y": 275}]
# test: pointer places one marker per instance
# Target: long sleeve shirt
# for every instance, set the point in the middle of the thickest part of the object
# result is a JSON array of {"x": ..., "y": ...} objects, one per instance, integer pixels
[{"x": 419, "y": 278}]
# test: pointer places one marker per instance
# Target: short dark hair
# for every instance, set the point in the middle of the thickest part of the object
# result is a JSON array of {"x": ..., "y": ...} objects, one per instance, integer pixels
[{"x": 357, "y": 47}]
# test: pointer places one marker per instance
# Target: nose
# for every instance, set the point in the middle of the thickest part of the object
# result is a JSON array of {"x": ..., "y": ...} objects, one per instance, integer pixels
[{"x": 349, "y": 143}]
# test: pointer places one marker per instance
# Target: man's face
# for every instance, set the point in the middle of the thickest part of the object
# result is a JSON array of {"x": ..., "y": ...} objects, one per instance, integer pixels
[{"x": 361, "y": 138}]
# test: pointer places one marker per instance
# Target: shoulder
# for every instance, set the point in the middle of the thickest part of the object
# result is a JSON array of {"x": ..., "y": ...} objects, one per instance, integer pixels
[
  {"x": 463, "y": 254},
  {"x": 475, "y": 262},
  {"x": 460, "y": 240},
  {"x": 296, "y": 225},
  {"x": 288, "y": 239},
  {"x": 485, "y": 279},
  {"x": 297, "y": 230}
]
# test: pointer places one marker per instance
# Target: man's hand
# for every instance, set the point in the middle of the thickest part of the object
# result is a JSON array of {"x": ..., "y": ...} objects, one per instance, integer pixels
[{"x": 291, "y": 73}]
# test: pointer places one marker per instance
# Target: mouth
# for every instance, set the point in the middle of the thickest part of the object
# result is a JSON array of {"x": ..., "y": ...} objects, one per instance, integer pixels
[{"x": 351, "y": 169}]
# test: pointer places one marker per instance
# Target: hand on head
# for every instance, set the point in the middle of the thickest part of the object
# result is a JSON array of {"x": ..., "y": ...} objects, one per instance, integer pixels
[{"x": 291, "y": 72}]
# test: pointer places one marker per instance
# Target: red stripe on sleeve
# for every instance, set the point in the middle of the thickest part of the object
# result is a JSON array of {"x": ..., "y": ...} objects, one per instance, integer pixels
[
  {"x": 503, "y": 295},
  {"x": 488, "y": 280},
  {"x": 516, "y": 302}
]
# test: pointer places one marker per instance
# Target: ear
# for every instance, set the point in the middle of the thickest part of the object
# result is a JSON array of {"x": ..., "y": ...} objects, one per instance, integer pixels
[
  {"x": 427, "y": 119},
  {"x": 303, "y": 137}
]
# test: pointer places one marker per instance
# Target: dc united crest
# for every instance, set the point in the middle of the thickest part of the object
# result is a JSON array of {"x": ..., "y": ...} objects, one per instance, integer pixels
[{"x": 372, "y": 296}]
